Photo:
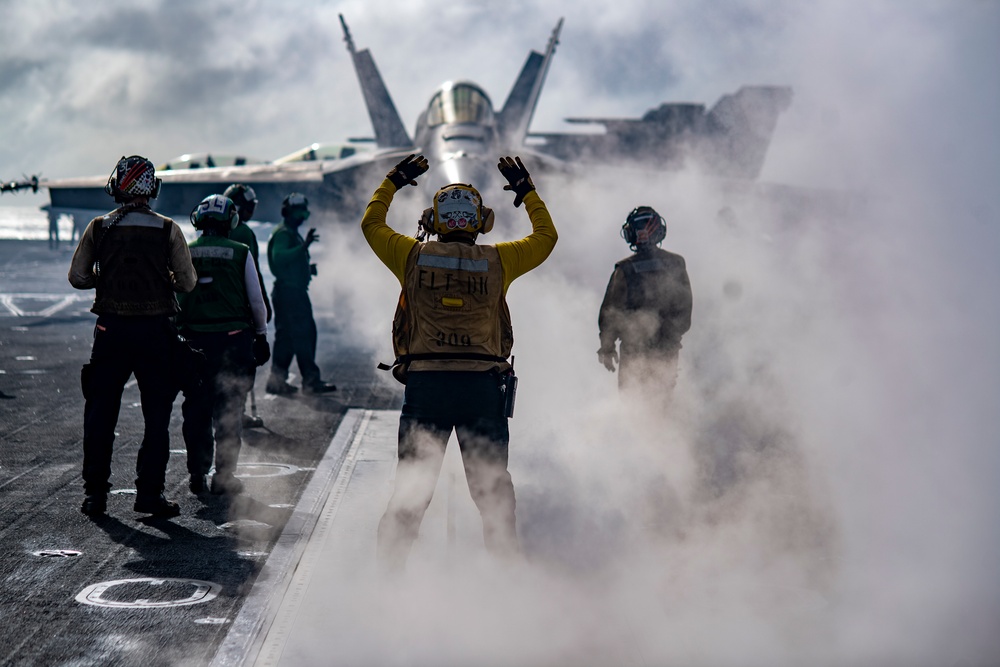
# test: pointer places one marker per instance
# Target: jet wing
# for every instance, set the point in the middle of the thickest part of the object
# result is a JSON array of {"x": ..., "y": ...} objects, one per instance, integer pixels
[
  {"x": 338, "y": 188},
  {"x": 730, "y": 140}
]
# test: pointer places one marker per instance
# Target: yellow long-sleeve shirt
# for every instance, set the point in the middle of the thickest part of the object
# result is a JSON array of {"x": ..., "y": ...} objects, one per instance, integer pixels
[{"x": 516, "y": 257}]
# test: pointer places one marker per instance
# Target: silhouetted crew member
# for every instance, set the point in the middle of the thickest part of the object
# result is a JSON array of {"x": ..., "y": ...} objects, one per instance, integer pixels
[
  {"x": 452, "y": 336},
  {"x": 647, "y": 306},
  {"x": 224, "y": 317},
  {"x": 136, "y": 259},
  {"x": 294, "y": 327},
  {"x": 246, "y": 203}
]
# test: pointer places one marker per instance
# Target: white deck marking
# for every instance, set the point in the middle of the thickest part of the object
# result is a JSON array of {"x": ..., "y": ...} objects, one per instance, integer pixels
[
  {"x": 247, "y": 633},
  {"x": 61, "y": 302}
]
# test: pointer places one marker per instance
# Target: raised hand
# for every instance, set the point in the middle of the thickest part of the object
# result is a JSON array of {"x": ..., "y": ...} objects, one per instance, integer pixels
[
  {"x": 406, "y": 172},
  {"x": 519, "y": 182}
]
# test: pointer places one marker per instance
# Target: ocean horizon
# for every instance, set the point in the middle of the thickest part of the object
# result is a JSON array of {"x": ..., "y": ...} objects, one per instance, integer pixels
[{"x": 28, "y": 222}]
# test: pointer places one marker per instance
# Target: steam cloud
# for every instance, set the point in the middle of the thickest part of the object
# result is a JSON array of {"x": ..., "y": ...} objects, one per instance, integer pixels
[{"x": 824, "y": 491}]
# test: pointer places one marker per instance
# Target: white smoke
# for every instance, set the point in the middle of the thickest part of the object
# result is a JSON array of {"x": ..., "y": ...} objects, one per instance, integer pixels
[{"x": 823, "y": 491}]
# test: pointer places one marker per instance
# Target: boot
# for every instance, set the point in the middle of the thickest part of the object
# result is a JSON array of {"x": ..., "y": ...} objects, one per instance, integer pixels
[
  {"x": 158, "y": 506},
  {"x": 318, "y": 387},
  {"x": 95, "y": 504},
  {"x": 226, "y": 484},
  {"x": 279, "y": 387}
]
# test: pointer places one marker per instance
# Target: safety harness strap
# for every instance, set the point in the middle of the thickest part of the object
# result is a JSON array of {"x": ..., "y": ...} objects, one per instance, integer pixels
[{"x": 437, "y": 356}]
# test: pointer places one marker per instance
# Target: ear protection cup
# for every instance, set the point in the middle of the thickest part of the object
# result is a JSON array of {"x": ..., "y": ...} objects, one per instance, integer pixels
[
  {"x": 427, "y": 220},
  {"x": 488, "y": 219}
]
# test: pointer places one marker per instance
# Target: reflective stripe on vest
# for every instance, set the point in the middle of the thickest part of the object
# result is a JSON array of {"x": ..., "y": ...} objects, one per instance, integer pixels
[
  {"x": 453, "y": 314},
  {"x": 219, "y": 300}
]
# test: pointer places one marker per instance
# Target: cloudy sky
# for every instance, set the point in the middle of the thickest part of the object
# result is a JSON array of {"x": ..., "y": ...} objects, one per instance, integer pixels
[{"x": 877, "y": 335}]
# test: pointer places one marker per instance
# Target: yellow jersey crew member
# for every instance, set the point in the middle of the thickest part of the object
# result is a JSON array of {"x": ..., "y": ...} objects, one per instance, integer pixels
[
  {"x": 224, "y": 317},
  {"x": 452, "y": 336},
  {"x": 647, "y": 306},
  {"x": 294, "y": 327},
  {"x": 136, "y": 259}
]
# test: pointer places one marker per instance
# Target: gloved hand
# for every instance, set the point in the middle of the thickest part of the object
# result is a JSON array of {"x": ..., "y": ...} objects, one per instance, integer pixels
[
  {"x": 261, "y": 350},
  {"x": 407, "y": 170},
  {"x": 517, "y": 177},
  {"x": 311, "y": 237},
  {"x": 608, "y": 357}
]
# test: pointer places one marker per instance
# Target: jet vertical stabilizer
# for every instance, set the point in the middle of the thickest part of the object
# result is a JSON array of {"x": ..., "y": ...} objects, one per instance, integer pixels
[
  {"x": 520, "y": 105},
  {"x": 742, "y": 125},
  {"x": 389, "y": 129}
]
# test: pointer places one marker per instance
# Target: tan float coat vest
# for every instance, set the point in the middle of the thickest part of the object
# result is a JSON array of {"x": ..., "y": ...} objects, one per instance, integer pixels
[{"x": 452, "y": 303}]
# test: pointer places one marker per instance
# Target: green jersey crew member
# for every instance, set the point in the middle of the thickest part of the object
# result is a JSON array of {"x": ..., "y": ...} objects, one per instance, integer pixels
[
  {"x": 452, "y": 335},
  {"x": 294, "y": 327},
  {"x": 246, "y": 203},
  {"x": 224, "y": 317}
]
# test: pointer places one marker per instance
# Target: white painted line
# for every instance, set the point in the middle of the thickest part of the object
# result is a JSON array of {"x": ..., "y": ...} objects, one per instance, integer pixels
[
  {"x": 277, "y": 635},
  {"x": 246, "y": 634},
  {"x": 55, "y": 308},
  {"x": 8, "y": 302},
  {"x": 61, "y": 301}
]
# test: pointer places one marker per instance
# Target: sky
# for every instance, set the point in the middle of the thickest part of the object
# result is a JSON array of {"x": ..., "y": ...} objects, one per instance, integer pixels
[{"x": 848, "y": 364}]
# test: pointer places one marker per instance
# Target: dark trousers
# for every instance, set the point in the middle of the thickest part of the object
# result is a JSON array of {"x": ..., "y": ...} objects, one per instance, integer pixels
[
  {"x": 123, "y": 346},
  {"x": 218, "y": 402},
  {"x": 294, "y": 334},
  {"x": 435, "y": 403}
]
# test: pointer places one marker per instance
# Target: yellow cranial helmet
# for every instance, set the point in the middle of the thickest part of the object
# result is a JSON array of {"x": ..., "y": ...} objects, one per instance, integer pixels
[{"x": 458, "y": 208}]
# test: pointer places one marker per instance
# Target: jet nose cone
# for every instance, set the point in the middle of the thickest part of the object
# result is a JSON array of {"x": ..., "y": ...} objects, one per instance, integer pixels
[{"x": 461, "y": 168}]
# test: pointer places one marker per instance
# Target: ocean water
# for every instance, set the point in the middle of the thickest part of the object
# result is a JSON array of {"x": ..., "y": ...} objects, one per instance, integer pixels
[{"x": 30, "y": 223}]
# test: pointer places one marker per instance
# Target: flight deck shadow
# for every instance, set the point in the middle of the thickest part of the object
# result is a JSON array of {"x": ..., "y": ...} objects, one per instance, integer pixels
[
  {"x": 246, "y": 517},
  {"x": 182, "y": 553}
]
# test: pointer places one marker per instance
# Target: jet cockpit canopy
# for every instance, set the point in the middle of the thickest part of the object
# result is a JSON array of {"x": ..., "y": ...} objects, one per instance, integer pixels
[{"x": 460, "y": 102}]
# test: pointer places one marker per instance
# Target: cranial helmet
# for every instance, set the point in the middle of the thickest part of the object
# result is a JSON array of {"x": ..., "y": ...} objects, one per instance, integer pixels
[
  {"x": 245, "y": 199},
  {"x": 215, "y": 212},
  {"x": 644, "y": 226},
  {"x": 457, "y": 208},
  {"x": 134, "y": 177},
  {"x": 295, "y": 207}
]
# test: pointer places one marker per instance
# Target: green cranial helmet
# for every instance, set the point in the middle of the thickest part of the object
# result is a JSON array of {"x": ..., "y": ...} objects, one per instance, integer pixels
[
  {"x": 215, "y": 212},
  {"x": 245, "y": 199},
  {"x": 295, "y": 207}
]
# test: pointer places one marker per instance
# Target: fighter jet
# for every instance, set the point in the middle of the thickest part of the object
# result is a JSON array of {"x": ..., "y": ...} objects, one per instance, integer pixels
[{"x": 462, "y": 135}]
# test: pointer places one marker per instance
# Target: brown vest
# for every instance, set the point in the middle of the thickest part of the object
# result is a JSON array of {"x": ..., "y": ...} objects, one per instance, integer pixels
[
  {"x": 133, "y": 256},
  {"x": 452, "y": 308}
]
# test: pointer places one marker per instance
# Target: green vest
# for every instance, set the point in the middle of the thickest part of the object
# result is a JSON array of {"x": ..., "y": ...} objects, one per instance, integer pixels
[
  {"x": 243, "y": 234},
  {"x": 219, "y": 301}
]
